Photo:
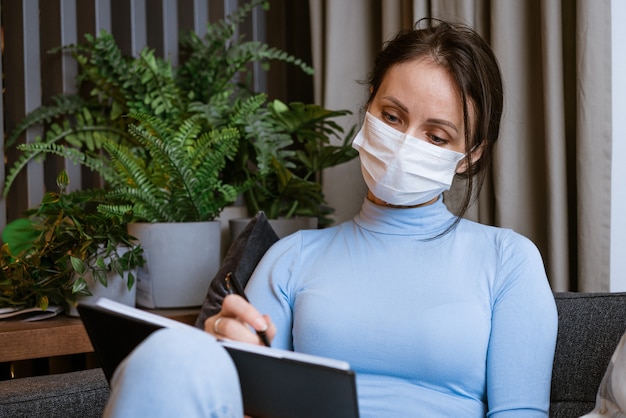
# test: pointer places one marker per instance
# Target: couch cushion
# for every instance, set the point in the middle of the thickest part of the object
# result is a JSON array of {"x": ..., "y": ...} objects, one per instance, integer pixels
[
  {"x": 590, "y": 326},
  {"x": 81, "y": 394}
]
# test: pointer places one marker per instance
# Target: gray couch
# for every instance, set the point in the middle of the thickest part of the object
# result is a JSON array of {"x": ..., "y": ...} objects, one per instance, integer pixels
[{"x": 590, "y": 325}]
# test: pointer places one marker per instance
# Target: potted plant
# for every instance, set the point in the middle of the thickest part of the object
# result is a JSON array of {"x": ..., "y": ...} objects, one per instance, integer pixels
[
  {"x": 212, "y": 80},
  {"x": 312, "y": 128},
  {"x": 173, "y": 189},
  {"x": 290, "y": 193},
  {"x": 155, "y": 123},
  {"x": 177, "y": 196},
  {"x": 64, "y": 250}
]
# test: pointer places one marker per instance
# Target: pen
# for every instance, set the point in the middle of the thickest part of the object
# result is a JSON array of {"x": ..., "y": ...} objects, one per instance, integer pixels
[{"x": 233, "y": 287}]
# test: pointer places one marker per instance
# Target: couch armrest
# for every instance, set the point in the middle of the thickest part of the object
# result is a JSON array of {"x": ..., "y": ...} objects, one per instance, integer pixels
[
  {"x": 76, "y": 394},
  {"x": 590, "y": 326}
]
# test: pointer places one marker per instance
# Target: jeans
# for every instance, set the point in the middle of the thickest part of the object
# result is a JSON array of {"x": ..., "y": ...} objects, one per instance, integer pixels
[{"x": 176, "y": 373}]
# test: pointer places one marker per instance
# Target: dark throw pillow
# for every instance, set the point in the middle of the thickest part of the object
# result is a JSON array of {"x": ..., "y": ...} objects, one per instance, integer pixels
[{"x": 241, "y": 259}]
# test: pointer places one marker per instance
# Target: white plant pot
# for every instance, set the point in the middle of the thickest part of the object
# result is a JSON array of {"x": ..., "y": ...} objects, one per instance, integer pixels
[
  {"x": 116, "y": 288},
  {"x": 228, "y": 213},
  {"x": 281, "y": 226},
  {"x": 181, "y": 260}
]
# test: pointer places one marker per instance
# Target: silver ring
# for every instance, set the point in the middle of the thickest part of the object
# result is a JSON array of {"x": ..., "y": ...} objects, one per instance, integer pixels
[{"x": 216, "y": 325}]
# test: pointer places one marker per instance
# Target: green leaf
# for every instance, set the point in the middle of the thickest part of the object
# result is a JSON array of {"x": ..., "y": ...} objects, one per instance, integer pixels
[
  {"x": 20, "y": 235},
  {"x": 100, "y": 263},
  {"x": 130, "y": 280},
  {"x": 279, "y": 107},
  {"x": 79, "y": 285},
  {"x": 78, "y": 265},
  {"x": 101, "y": 277}
]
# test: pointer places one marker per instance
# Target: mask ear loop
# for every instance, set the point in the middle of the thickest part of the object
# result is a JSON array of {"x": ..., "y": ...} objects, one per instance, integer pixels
[{"x": 474, "y": 148}]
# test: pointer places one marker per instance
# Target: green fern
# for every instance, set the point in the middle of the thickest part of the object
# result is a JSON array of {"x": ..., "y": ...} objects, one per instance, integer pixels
[
  {"x": 182, "y": 181},
  {"x": 218, "y": 61},
  {"x": 197, "y": 135}
]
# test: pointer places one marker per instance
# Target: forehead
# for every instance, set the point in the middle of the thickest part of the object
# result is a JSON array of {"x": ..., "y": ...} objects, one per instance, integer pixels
[
  {"x": 422, "y": 78},
  {"x": 424, "y": 86}
]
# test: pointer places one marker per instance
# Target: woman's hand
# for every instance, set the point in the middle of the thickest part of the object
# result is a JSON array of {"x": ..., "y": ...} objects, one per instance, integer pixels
[{"x": 235, "y": 319}]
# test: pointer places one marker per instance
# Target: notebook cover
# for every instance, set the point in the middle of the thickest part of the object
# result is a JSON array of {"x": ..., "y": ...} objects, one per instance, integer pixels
[{"x": 274, "y": 383}]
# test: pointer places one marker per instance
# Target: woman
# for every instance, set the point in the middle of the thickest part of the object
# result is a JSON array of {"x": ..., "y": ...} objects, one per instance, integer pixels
[{"x": 437, "y": 315}]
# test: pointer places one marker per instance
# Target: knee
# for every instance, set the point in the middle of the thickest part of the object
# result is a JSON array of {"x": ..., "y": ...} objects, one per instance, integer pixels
[
  {"x": 173, "y": 350},
  {"x": 176, "y": 372}
]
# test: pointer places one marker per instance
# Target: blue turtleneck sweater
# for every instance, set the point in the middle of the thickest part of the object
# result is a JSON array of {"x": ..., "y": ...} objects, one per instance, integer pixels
[{"x": 463, "y": 325}]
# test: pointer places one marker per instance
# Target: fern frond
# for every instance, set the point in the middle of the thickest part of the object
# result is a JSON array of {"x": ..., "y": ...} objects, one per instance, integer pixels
[
  {"x": 103, "y": 64},
  {"x": 92, "y": 136},
  {"x": 268, "y": 138},
  {"x": 146, "y": 206},
  {"x": 131, "y": 170},
  {"x": 64, "y": 105},
  {"x": 165, "y": 146},
  {"x": 115, "y": 210},
  {"x": 253, "y": 51},
  {"x": 160, "y": 94},
  {"x": 204, "y": 183},
  {"x": 264, "y": 52},
  {"x": 150, "y": 132},
  {"x": 225, "y": 28},
  {"x": 95, "y": 163},
  {"x": 214, "y": 63},
  {"x": 248, "y": 106}
]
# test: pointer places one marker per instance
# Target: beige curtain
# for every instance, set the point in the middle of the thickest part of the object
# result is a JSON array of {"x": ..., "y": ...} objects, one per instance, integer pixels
[{"x": 551, "y": 176}]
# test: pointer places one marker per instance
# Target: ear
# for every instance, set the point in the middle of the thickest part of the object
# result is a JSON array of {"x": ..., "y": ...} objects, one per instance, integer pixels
[{"x": 474, "y": 156}]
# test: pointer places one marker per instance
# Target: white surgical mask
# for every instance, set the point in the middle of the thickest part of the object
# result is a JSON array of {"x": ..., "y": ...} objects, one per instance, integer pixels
[{"x": 400, "y": 169}]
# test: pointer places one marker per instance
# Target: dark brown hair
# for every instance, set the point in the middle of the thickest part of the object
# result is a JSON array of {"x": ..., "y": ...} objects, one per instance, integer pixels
[{"x": 472, "y": 64}]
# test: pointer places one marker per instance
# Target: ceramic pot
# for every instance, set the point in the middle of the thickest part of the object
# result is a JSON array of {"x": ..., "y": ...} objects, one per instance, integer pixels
[{"x": 181, "y": 260}]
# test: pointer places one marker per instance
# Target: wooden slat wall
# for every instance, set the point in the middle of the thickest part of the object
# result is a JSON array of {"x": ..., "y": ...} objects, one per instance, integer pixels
[{"x": 31, "y": 76}]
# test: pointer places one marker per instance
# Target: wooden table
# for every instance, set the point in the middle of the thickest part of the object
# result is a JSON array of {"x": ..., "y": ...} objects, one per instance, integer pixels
[{"x": 59, "y": 336}]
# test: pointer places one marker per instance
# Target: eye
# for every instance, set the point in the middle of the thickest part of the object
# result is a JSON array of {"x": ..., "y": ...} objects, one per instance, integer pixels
[
  {"x": 437, "y": 140},
  {"x": 390, "y": 119}
]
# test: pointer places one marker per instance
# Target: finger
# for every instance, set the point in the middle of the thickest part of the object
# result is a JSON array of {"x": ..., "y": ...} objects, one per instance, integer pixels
[
  {"x": 271, "y": 329},
  {"x": 232, "y": 329},
  {"x": 232, "y": 321},
  {"x": 237, "y": 307}
]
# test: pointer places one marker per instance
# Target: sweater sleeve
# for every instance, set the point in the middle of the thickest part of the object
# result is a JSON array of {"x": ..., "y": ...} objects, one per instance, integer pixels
[
  {"x": 276, "y": 268},
  {"x": 523, "y": 335}
]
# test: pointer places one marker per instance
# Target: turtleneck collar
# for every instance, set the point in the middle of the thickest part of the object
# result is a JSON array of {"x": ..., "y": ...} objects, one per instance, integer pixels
[{"x": 426, "y": 221}]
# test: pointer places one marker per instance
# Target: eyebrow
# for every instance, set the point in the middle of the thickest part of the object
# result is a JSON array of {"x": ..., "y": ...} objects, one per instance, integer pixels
[
  {"x": 431, "y": 120},
  {"x": 444, "y": 122},
  {"x": 397, "y": 103}
]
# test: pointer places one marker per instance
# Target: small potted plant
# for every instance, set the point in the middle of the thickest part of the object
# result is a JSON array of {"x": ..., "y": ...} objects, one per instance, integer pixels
[{"x": 64, "y": 250}]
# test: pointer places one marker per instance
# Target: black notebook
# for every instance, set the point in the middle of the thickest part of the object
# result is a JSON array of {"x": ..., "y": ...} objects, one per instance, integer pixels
[{"x": 274, "y": 383}]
